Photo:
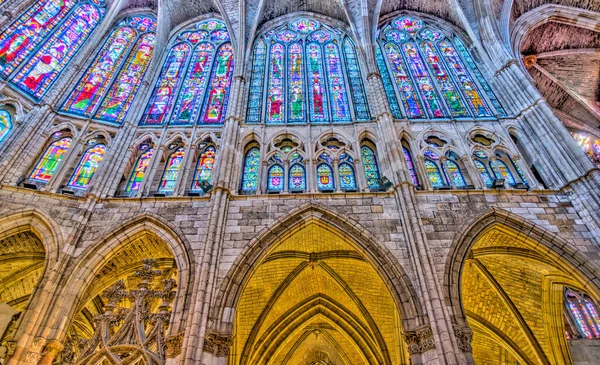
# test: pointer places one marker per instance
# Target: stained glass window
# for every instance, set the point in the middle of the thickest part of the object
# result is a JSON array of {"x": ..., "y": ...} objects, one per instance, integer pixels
[
  {"x": 5, "y": 124},
  {"x": 455, "y": 174},
  {"x": 387, "y": 84},
  {"x": 193, "y": 87},
  {"x": 370, "y": 166},
  {"x": 250, "y": 173},
  {"x": 139, "y": 171},
  {"x": 297, "y": 178},
  {"x": 583, "y": 312},
  {"x": 433, "y": 172},
  {"x": 129, "y": 48},
  {"x": 275, "y": 178},
  {"x": 256, "y": 84},
  {"x": 325, "y": 178},
  {"x": 359, "y": 97},
  {"x": 484, "y": 173},
  {"x": 168, "y": 182},
  {"x": 425, "y": 59},
  {"x": 347, "y": 178},
  {"x": 411, "y": 166},
  {"x": 26, "y": 33},
  {"x": 87, "y": 167},
  {"x": 505, "y": 172},
  {"x": 305, "y": 76},
  {"x": 204, "y": 168},
  {"x": 50, "y": 160},
  {"x": 43, "y": 68}
]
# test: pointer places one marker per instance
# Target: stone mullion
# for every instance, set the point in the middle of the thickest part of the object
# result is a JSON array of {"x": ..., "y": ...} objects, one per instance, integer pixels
[
  {"x": 188, "y": 168},
  {"x": 310, "y": 170},
  {"x": 419, "y": 163},
  {"x": 469, "y": 163},
  {"x": 286, "y": 176},
  {"x": 33, "y": 127}
]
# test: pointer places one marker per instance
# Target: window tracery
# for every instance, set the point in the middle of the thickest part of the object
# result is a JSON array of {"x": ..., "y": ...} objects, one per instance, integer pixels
[
  {"x": 309, "y": 72},
  {"x": 35, "y": 49},
  {"x": 193, "y": 86},
  {"x": 107, "y": 89},
  {"x": 421, "y": 68},
  {"x": 581, "y": 315}
]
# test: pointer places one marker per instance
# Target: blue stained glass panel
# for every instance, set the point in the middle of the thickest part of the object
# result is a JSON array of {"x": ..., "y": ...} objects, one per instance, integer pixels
[
  {"x": 325, "y": 177},
  {"x": 340, "y": 108},
  {"x": 250, "y": 173},
  {"x": 357, "y": 90},
  {"x": 256, "y": 83},
  {"x": 275, "y": 180},
  {"x": 297, "y": 178}
]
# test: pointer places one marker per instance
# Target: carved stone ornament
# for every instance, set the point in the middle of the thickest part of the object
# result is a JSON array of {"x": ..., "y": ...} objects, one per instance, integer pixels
[
  {"x": 530, "y": 61},
  {"x": 217, "y": 344},
  {"x": 464, "y": 336},
  {"x": 420, "y": 340},
  {"x": 173, "y": 345},
  {"x": 35, "y": 351}
]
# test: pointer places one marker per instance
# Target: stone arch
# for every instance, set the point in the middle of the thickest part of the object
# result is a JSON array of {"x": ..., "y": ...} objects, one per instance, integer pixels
[
  {"x": 89, "y": 263},
  {"x": 548, "y": 242},
  {"x": 398, "y": 282},
  {"x": 503, "y": 274}
]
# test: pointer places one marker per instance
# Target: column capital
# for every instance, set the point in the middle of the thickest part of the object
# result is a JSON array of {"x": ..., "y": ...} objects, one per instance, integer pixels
[
  {"x": 217, "y": 344},
  {"x": 173, "y": 345},
  {"x": 464, "y": 336}
]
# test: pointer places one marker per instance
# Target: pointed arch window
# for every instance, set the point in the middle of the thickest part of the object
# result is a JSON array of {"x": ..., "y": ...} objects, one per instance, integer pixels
[
  {"x": 87, "y": 167},
  {"x": 422, "y": 69},
  {"x": 347, "y": 177},
  {"x": 486, "y": 177},
  {"x": 107, "y": 89},
  {"x": 582, "y": 315},
  {"x": 275, "y": 182},
  {"x": 306, "y": 74},
  {"x": 250, "y": 172},
  {"x": 297, "y": 178},
  {"x": 51, "y": 159},
  {"x": 35, "y": 49},
  {"x": 5, "y": 124},
  {"x": 433, "y": 169},
  {"x": 168, "y": 181},
  {"x": 371, "y": 167},
  {"x": 453, "y": 170},
  {"x": 204, "y": 168},
  {"x": 504, "y": 172},
  {"x": 409, "y": 162},
  {"x": 325, "y": 180},
  {"x": 139, "y": 171},
  {"x": 193, "y": 86}
]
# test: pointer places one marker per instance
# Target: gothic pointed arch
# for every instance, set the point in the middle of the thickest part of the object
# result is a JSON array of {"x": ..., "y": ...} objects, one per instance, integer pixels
[
  {"x": 411, "y": 311},
  {"x": 502, "y": 275}
]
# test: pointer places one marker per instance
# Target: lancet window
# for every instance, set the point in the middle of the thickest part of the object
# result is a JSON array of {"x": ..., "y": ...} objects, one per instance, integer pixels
[
  {"x": 590, "y": 145},
  {"x": 275, "y": 174},
  {"x": 250, "y": 171},
  {"x": 36, "y": 47},
  {"x": 51, "y": 158},
  {"x": 325, "y": 179},
  {"x": 140, "y": 169},
  {"x": 297, "y": 174},
  {"x": 409, "y": 162},
  {"x": 434, "y": 173},
  {"x": 88, "y": 165},
  {"x": 204, "y": 167},
  {"x": 428, "y": 73},
  {"x": 306, "y": 71},
  {"x": 581, "y": 313},
  {"x": 107, "y": 89},
  {"x": 168, "y": 181},
  {"x": 453, "y": 170},
  {"x": 193, "y": 85},
  {"x": 370, "y": 165},
  {"x": 5, "y": 124}
]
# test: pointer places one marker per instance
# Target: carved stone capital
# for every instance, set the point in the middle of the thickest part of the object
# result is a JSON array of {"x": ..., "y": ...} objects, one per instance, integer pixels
[
  {"x": 35, "y": 351},
  {"x": 464, "y": 336},
  {"x": 420, "y": 340},
  {"x": 217, "y": 344},
  {"x": 52, "y": 348},
  {"x": 173, "y": 345}
]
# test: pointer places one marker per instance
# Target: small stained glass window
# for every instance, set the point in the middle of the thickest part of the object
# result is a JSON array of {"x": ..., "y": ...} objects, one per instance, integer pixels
[
  {"x": 275, "y": 178},
  {"x": 168, "y": 182},
  {"x": 50, "y": 160},
  {"x": 582, "y": 312},
  {"x": 297, "y": 178},
  {"x": 87, "y": 167},
  {"x": 325, "y": 180},
  {"x": 5, "y": 124},
  {"x": 139, "y": 171},
  {"x": 347, "y": 178},
  {"x": 204, "y": 168},
  {"x": 250, "y": 173},
  {"x": 434, "y": 174}
]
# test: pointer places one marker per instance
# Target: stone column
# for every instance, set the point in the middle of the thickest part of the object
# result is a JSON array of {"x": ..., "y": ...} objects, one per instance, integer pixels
[{"x": 50, "y": 351}]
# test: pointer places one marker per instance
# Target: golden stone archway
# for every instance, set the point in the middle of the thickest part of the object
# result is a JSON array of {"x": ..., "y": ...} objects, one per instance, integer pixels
[
  {"x": 315, "y": 298},
  {"x": 512, "y": 294}
]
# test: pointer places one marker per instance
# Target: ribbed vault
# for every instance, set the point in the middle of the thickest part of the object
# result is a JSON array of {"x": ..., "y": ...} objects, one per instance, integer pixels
[
  {"x": 512, "y": 294},
  {"x": 314, "y": 298}
]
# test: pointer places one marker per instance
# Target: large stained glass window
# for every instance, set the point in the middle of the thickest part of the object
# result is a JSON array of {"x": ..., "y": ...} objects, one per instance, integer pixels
[
  {"x": 422, "y": 69},
  {"x": 193, "y": 86},
  {"x": 297, "y": 178},
  {"x": 275, "y": 181},
  {"x": 306, "y": 71},
  {"x": 370, "y": 166},
  {"x": 204, "y": 168},
  {"x": 139, "y": 171},
  {"x": 250, "y": 173},
  {"x": 5, "y": 124},
  {"x": 582, "y": 313},
  {"x": 168, "y": 182},
  {"x": 87, "y": 167},
  {"x": 107, "y": 89},
  {"x": 60, "y": 27},
  {"x": 50, "y": 160}
]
